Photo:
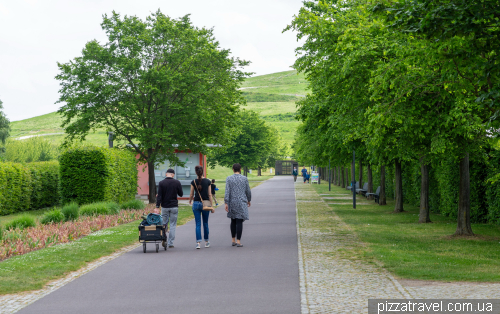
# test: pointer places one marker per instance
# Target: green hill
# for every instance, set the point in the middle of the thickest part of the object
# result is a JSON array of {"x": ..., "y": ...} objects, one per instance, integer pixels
[{"x": 273, "y": 96}]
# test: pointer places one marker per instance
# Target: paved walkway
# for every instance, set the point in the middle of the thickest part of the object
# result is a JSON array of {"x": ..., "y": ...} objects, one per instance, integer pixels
[
  {"x": 335, "y": 282},
  {"x": 265, "y": 276},
  {"x": 261, "y": 277}
]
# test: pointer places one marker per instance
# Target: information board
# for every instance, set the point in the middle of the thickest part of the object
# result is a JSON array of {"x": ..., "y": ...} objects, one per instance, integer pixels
[{"x": 315, "y": 177}]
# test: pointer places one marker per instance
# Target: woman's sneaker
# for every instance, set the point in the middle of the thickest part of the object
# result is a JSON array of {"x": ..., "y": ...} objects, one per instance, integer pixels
[
  {"x": 207, "y": 244},
  {"x": 198, "y": 245}
]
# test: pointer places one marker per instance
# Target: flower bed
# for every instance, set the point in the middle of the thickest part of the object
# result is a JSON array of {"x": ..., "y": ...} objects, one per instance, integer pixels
[{"x": 18, "y": 242}]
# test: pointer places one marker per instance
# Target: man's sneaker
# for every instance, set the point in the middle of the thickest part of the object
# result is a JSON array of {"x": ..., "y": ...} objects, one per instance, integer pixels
[
  {"x": 207, "y": 244},
  {"x": 171, "y": 246},
  {"x": 198, "y": 245}
]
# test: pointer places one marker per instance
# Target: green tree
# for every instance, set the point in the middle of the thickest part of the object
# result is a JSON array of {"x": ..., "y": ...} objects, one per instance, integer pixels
[
  {"x": 256, "y": 145},
  {"x": 160, "y": 85},
  {"x": 4, "y": 125},
  {"x": 457, "y": 71}
]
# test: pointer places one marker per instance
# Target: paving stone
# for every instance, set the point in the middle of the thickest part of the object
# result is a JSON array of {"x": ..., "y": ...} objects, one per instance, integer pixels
[{"x": 332, "y": 283}]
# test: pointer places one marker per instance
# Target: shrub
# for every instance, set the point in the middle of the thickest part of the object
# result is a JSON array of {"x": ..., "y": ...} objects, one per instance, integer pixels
[
  {"x": 94, "y": 209},
  {"x": 113, "y": 208},
  {"x": 1, "y": 233},
  {"x": 133, "y": 204},
  {"x": 45, "y": 184},
  {"x": 70, "y": 211},
  {"x": 54, "y": 215},
  {"x": 21, "y": 222},
  {"x": 15, "y": 188},
  {"x": 89, "y": 174}
]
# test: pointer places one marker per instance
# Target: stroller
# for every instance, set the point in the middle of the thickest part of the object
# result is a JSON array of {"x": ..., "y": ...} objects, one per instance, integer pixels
[{"x": 152, "y": 231}]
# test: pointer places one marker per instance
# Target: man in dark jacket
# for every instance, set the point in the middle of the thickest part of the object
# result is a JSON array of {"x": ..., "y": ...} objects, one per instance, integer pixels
[{"x": 168, "y": 189}]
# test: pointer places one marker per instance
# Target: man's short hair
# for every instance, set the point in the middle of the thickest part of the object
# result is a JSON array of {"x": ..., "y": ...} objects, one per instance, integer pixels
[
  {"x": 171, "y": 171},
  {"x": 237, "y": 168}
]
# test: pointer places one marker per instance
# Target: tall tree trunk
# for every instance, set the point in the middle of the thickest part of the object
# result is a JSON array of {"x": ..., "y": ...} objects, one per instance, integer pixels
[
  {"x": 382, "y": 200},
  {"x": 347, "y": 181},
  {"x": 151, "y": 182},
  {"x": 337, "y": 176},
  {"x": 370, "y": 180},
  {"x": 424, "y": 216},
  {"x": 342, "y": 177},
  {"x": 463, "y": 220},
  {"x": 398, "y": 208},
  {"x": 259, "y": 172},
  {"x": 360, "y": 175}
]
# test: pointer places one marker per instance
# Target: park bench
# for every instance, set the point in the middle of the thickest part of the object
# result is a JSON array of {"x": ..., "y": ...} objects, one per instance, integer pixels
[
  {"x": 376, "y": 194},
  {"x": 356, "y": 187},
  {"x": 363, "y": 190}
]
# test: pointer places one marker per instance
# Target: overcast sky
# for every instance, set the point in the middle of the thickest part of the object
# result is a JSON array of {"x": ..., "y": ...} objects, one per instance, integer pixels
[{"x": 35, "y": 34}]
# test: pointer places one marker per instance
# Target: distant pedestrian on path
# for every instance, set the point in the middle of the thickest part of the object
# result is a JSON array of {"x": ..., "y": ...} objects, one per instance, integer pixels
[
  {"x": 200, "y": 186},
  {"x": 168, "y": 189},
  {"x": 304, "y": 173},
  {"x": 295, "y": 173},
  {"x": 214, "y": 188},
  {"x": 237, "y": 198}
]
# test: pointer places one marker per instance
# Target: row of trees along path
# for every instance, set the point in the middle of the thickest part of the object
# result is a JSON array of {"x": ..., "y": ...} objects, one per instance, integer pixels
[{"x": 400, "y": 81}]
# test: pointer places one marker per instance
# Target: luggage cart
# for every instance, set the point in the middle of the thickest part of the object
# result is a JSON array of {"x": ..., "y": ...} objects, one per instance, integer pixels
[{"x": 152, "y": 234}]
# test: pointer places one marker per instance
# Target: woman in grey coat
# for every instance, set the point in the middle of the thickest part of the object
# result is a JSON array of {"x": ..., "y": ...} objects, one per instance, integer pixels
[{"x": 237, "y": 199}]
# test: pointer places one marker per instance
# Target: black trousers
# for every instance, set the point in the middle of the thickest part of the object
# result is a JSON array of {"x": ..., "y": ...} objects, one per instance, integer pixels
[{"x": 236, "y": 228}]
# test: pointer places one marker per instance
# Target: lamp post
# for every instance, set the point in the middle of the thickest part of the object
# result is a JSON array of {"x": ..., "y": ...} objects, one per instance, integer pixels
[
  {"x": 110, "y": 139},
  {"x": 329, "y": 176},
  {"x": 353, "y": 181}
]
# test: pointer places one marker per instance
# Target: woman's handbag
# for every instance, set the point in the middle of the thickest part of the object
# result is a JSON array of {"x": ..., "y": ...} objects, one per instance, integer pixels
[{"x": 207, "y": 205}]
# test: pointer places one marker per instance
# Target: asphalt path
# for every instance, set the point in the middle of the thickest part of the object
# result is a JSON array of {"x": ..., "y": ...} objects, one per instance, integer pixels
[{"x": 260, "y": 277}]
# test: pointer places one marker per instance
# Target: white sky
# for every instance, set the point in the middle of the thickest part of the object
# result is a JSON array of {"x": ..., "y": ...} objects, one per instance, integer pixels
[{"x": 35, "y": 34}]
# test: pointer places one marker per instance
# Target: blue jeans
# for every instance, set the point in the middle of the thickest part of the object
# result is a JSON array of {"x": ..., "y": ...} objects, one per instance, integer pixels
[{"x": 198, "y": 214}]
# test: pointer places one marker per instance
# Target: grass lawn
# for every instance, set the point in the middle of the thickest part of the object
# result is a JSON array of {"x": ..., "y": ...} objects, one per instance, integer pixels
[
  {"x": 34, "y": 270},
  {"x": 37, "y": 214},
  {"x": 420, "y": 251},
  {"x": 288, "y": 82}
]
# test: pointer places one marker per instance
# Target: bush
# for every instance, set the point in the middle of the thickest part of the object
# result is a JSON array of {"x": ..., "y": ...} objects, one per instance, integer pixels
[
  {"x": 133, "y": 204},
  {"x": 113, "y": 208},
  {"x": 1, "y": 233},
  {"x": 15, "y": 188},
  {"x": 45, "y": 184},
  {"x": 89, "y": 174},
  {"x": 21, "y": 222},
  {"x": 52, "y": 216},
  {"x": 70, "y": 211},
  {"x": 94, "y": 209}
]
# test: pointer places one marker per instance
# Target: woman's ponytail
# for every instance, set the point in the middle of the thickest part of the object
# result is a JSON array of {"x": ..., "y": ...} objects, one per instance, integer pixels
[{"x": 199, "y": 173}]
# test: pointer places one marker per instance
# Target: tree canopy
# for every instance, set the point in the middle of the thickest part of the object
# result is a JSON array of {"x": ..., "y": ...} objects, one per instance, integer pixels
[
  {"x": 4, "y": 125},
  {"x": 256, "y": 144},
  {"x": 159, "y": 84},
  {"x": 397, "y": 83}
]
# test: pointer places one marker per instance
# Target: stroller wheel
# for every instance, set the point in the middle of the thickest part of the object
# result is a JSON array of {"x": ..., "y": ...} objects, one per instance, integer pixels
[
  {"x": 157, "y": 247},
  {"x": 144, "y": 247}
]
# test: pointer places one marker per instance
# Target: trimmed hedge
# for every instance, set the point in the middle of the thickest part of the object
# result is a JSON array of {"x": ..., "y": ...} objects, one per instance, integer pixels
[
  {"x": 92, "y": 174},
  {"x": 15, "y": 188},
  {"x": 45, "y": 184}
]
